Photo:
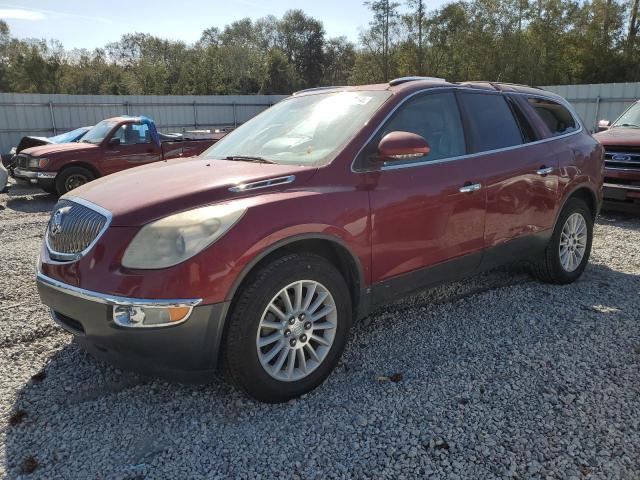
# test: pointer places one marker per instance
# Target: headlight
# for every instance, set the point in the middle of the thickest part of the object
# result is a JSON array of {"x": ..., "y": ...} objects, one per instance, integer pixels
[
  {"x": 32, "y": 162},
  {"x": 171, "y": 240}
]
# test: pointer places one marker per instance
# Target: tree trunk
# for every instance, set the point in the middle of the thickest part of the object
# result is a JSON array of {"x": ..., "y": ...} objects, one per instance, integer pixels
[
  {"x": 633, "y": 26},
  {"x": 606, "y": 25},
  {"x": 420, "y": 52},
  {"x": 385, "y": 53}
]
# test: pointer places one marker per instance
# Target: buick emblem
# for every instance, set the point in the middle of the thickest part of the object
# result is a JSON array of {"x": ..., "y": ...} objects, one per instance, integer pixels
[
  {"x": 620, "y": 157},
  {"x": 58, "y": 218}
]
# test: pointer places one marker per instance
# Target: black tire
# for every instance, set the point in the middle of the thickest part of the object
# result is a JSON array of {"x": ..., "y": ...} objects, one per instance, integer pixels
[
  {"x": 548, "y": 268},
  {"x": 48, "y": 186},
  {"x": 240, "y": 356},
  {"x": 72, "y": 177}
]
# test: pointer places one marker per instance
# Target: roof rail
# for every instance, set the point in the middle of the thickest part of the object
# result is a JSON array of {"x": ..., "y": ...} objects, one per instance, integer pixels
[
  {"x": 398, "y": 81},
  {"x": 497, "y": 85},
  {"x": 317, "y": 88}
]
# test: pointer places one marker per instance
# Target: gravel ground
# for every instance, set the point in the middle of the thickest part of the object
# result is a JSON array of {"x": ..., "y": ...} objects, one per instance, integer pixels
[{"x": 497, "y": 376}]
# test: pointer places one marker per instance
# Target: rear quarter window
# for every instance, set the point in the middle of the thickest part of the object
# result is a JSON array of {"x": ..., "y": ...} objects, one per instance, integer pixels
[
  {"x": 554, "y": 115},
  {"x": 489, "y": 121}
]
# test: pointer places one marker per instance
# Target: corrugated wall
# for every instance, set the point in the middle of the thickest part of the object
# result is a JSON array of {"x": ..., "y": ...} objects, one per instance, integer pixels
[
  {"x": 45, "y": 115},
  {"x": 599, "y": 101}
]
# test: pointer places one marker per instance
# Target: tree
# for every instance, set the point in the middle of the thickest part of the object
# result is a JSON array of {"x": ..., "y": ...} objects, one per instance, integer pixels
[
  {"x": 416, "y": 23},
  {"x": 339, "y": 59},
  {"x": 301, "y": 38},
  {"x": 379, "y": 37},
  {"x": 279, "y": 75}
]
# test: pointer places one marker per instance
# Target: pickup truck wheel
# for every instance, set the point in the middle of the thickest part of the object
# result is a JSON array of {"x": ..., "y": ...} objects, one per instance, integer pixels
[
  {"x": 71, "y": 178},
  {"x": 567, "y": 253},
  {"x": 49, "y": 186},
  {"x": 288, "y": 328}
]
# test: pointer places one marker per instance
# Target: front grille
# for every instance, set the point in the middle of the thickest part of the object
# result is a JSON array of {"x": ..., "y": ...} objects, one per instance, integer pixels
[
  {"x": 72, "y": 228},
  {"x": 626, "y": 158}
]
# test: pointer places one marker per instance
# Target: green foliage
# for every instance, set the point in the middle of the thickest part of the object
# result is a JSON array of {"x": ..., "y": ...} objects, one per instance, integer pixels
[{"x": 538, "y": 42}]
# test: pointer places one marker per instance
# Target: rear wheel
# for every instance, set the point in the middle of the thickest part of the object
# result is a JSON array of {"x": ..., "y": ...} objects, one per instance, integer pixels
[
  {"x": 288, "y": 328},
  {"x": 72, "y": 177},
  {"x": 567, "y": 253}
]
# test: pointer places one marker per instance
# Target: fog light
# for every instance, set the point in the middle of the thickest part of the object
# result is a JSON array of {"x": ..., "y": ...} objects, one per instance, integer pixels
[{"x": 137, "y": 316}]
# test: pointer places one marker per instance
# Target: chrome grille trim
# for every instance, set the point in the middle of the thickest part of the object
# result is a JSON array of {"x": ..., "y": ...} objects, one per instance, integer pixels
[
  {"x": 81, "y": 229},
  {"x": 621, "y": 160}
]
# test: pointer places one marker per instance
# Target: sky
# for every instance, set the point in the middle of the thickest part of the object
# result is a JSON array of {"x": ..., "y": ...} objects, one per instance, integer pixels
[{"x": 92, "y": 23}]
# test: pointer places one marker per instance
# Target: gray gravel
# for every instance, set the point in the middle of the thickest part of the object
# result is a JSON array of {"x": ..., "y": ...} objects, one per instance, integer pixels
[{"x": 494, "y": 377}]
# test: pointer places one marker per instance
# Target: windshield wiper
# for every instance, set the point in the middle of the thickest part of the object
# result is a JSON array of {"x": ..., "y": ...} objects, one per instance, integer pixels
[{"x": 248, "y": 158}]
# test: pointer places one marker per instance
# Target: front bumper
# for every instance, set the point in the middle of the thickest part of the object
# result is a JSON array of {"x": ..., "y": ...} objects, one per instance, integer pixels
[
  {"x": 33, "y": 174},
  {"x": 620, "y": 192},
  {"x": 186, "y": 352}
]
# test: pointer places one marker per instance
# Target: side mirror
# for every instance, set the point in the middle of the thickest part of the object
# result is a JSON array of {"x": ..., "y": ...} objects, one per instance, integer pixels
[
  {"x": 115, "y": 141},
  {"x": 400, "y": 146},
  {"x": 603, "y": 125}
]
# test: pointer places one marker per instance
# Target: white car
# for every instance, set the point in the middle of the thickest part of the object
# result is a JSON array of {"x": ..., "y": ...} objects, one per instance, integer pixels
[{"x": 4, "y": 178}]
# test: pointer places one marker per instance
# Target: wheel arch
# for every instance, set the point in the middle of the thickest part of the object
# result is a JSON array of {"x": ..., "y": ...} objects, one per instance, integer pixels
[
  {"x": 81, "y": 164},
  {"x": 334, "y": 249},
  {"x": 584, "y": 192}
]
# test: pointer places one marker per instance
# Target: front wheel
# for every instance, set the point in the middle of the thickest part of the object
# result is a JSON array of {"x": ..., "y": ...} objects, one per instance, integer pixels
[
  {"x": 72, "y": 177},
  {"x": 567, "y": 253},
  {"x": 288, "y": 328}
]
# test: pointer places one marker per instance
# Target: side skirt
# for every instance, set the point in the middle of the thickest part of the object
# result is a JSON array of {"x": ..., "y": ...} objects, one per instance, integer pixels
[{"x": 394, "y": 289}]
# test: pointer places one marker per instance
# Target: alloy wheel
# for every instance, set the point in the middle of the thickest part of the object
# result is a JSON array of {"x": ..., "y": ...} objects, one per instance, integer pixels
[
  {"x": 297, "y": 330},
  {"x": 573, "y": 242}
]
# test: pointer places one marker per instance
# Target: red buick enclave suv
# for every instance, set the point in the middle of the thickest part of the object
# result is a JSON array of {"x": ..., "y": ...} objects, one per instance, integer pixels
[{"x": 260, "y": 253}]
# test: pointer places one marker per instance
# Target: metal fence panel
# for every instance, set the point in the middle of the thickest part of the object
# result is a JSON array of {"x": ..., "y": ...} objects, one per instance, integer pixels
[
  {"x": 46, "y": 115},
  {"x": 595, "y": 102}
]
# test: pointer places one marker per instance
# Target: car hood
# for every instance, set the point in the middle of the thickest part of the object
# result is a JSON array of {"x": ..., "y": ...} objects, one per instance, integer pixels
[
  {"x": 56, "y": 148},
  {"x": 140, "y": 195},
  {"x": 623, "y": 136}
]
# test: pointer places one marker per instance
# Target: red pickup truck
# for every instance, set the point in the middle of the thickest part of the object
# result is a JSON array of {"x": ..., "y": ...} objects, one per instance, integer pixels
[
  {"x": 621, "y": 141},
  {"x": 113, "y": 145}
]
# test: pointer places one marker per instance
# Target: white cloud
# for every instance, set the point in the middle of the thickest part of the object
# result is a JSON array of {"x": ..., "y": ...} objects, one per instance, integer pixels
[
  {"x": 20, "y": 14},
  {"x": 17, "y": 13}
]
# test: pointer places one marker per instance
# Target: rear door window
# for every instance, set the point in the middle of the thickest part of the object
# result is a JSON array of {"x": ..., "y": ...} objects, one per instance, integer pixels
[
  {"x": 554, "y": 115},
  {"x": 435, "y": 117},
  {"x": 489, "y": 121},
  {"x": 527, "y": 130}
]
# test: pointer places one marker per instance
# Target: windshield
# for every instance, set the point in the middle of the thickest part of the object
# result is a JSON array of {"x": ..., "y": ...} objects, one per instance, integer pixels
[
  {"x": 97, "y": 133},
  {"x": 68, "y": 136},
  {"x": 630, "y": 118},
  {"x": 307, "y": 130}
]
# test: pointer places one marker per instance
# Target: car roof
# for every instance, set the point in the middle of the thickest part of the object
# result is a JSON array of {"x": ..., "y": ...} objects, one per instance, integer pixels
[{"x": 406, "y": 85}]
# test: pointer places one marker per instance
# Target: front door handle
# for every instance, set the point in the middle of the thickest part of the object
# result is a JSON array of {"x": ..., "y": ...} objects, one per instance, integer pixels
[
  {"x": 474, "y": 187},
  {"x": 544, "y": 171}
]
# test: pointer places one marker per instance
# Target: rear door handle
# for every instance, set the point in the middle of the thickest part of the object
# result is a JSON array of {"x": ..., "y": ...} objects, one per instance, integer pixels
[
  {"x": 544, "y": 171},
  {"x": 474, "y": 187}
]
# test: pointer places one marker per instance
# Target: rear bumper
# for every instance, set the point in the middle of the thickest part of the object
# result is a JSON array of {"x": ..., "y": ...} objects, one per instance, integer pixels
[{"x": 186, "y": 352}]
